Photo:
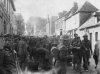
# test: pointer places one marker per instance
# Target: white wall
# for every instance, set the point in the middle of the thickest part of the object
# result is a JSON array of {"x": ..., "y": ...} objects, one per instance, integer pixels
[
  {"x": 93, "y": 30},
  {"x": 60, "y": 24},
  {"x": 92, "y": 21},
  {"x": 72, "y": 22}
]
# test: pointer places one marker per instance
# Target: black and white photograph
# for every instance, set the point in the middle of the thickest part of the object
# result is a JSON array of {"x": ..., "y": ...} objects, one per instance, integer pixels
[{"x": 49, "y": 36}]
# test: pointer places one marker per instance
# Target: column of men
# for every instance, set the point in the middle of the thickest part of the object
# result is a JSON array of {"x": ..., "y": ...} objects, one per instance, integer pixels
[
  {"x": 81, "y": 49},
  {"x": 31, "y": 49}
]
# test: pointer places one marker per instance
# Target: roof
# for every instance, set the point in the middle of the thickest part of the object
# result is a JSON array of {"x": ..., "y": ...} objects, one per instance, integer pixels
[
  {"x": 84, "y": 26},
  {"x": 72, "y": 29},
  {"x": 62, "y": 16},
  {"x": 12, "y": 3},
  {"x": 88, "y": 7}
]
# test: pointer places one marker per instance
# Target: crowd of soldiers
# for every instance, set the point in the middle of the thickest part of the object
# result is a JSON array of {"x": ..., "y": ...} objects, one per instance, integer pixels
[
  {"x": 43, "y": 53},
  {"x": 18, "y": 52}
]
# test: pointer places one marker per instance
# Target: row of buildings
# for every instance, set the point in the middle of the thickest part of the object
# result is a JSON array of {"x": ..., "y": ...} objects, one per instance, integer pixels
[
  {"x": 7, "y": 17},
  {"x": 81, "y": 20}
]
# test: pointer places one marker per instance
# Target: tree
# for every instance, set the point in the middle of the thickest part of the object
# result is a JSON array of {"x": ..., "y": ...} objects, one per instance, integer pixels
[{"x": 20, "y": 24}]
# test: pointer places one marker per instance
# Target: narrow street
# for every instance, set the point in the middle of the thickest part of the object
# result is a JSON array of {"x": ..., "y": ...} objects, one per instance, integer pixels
[
  {"x": 49, "y": 36},
  {"x": 71, "y": 71}
]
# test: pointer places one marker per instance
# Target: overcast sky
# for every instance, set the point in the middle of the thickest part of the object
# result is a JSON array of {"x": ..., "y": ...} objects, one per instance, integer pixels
[{"x": 42, "y": 8}]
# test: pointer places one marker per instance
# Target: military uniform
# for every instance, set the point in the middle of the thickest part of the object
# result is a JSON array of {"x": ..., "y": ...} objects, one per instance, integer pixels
[
  {"x": 62, "y": 60},
  {"x": 22, "y": 53},
  {"x": 76, "y": 50},
  {"x": 86, "y": 49}
]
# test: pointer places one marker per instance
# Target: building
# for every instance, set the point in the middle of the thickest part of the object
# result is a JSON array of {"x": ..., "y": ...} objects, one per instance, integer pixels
[
  {"x": 61, "y": 23},
  {"x": 48, "y": 29},
  {"x": 7, "y": 9},
  {"x": 72, "y": 32},
  {"x": 92, "y": 28},
  {"x": 85, "y": 21},
  {"x": 80, "y": 16},
  {"x": 50, "y": 26}
]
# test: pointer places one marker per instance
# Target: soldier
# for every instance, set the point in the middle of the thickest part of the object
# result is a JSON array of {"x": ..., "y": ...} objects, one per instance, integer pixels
[
  {"x": 87, "y": 51},
  {"x": 62, "y": 60},
  {"x": 7, "y": 63},
  {"x": 22, "y": 53},
  {"x": 55, "y": 54},
  {"x": 77, "y": 57}
]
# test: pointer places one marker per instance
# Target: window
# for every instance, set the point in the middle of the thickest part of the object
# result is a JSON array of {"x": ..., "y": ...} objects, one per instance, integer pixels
[
  {"x": 96, "y": 36},
  {"x": 98, "y": 18},
  {"x": 91, "y": 37}
]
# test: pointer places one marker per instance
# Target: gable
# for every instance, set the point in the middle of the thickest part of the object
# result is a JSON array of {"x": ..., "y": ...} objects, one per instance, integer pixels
[
  {"x": 90, "y": 22},
  {"x": 88, "y": 7},
  {"x": 84, "y": 17}
]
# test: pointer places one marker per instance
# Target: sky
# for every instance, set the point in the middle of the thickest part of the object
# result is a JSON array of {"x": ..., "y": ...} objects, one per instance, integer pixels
[{"x": 43, "y": 8}]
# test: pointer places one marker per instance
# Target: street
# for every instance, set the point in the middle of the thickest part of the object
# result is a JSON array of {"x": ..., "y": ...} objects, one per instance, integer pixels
[
  {"x": 49, "y": 36},
  {"x": 70, "y": 70}
]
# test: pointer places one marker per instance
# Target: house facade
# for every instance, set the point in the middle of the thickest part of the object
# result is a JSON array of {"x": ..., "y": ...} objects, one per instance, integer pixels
[
  {"x": 60, "y": 25},
  {"x": 81, "y": 17},
  {"x": 92, "y": 28},
  {"x": 7, "y": 9}
]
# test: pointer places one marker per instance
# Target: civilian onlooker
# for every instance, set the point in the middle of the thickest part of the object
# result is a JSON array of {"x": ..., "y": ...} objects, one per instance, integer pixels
[{"x": 98, "y": 53}]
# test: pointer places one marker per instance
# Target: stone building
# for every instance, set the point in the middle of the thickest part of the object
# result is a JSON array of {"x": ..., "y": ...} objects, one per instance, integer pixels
[{"x": 7, "y": 9}]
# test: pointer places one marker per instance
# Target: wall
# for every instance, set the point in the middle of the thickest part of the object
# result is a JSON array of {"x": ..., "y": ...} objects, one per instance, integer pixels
[
  {"x": 84, "y": 16},
  {"x": 91, "y": 22},
  {"x": 47, "y": 29},
  {"x": 93, "y": 31},
  {"x": 72, "y": 22},
  {"x": 7, "y": 15},
  {"x": 59, "y": 24}
]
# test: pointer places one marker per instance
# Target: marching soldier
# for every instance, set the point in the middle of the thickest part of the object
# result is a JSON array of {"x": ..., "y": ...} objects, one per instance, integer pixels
[
  {"x": 22, "y": 53},
  {"x": 87, "y": 51},
  {"x": 76, "y": 50}
]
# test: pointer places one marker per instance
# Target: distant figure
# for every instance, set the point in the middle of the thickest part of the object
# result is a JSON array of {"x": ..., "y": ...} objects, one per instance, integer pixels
[
  {"x": 95, "y": 55},
  {"x": 98, "y": 54}
]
